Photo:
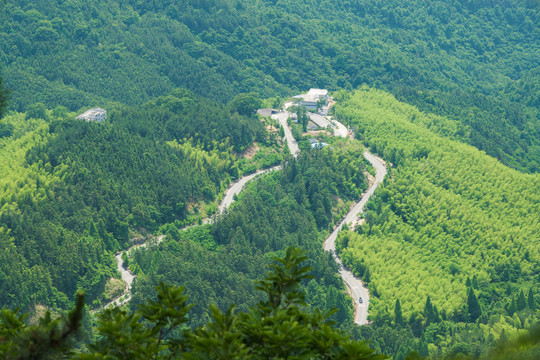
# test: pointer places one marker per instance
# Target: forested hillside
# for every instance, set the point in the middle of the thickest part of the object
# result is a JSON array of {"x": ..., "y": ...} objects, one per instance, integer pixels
[
  {"x": 446, "y": 91},
  {"x": 474, "y": 61},
  {"x": 449, "y": 247},
  {"x": 73, "y": 192}
]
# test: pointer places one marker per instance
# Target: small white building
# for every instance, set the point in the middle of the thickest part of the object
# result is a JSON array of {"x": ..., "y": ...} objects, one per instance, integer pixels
[
  {"x": 95, "y": 114},
  {"x": 312, "y": 97}
]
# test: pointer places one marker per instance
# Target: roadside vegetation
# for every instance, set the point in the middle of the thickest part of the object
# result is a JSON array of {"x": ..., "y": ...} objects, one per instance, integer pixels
[
  {"x": 447, "y": 92},
  {"x": 279, "y": 326}
]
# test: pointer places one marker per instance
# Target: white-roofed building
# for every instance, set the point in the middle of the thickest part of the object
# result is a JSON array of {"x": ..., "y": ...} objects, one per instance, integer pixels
[
  {"x": 313, "y": 96},
  {"x": 95, "y": 114},
  {"x": 318, "y": 93}
]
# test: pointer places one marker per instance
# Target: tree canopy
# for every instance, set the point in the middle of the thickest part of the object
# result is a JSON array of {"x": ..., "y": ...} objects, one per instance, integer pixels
[
  {"x": 472, "y": 61},
  {"x": 245, "y": 104},
  {"x": 277, "y": 327}
]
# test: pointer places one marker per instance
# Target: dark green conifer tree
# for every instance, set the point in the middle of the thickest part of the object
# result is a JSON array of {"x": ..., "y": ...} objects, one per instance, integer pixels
[
  {"x": 436, "y": 316},
  {"x": 342, "y": 304},
  {"x": 101, "y": 228},
  {"x": 473, "y": 306},
  {"x": 92, "y": 229},
  {"x": 530, "y": 300},
  {"x": 423, "y": 347},
  {"x": 512, "y": 307},
  {"x": 398, "y": 315},
  {"x": 475, "y": 282},
  {"x": 3, "y": 98},
  {"x": 367, "y": 277},
  {"x": 521, "y": 302},
  {"x": 428, "y": 311}
]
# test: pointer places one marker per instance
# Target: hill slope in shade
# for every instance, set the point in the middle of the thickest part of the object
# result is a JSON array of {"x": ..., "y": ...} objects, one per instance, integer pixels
[{"x": 476, "y": 62}]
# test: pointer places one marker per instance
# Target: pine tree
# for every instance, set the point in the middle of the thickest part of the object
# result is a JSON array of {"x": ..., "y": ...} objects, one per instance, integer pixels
[
  {"x": 475, "y": 282},
  {"x": 468, "y": 282},
  {"x": 342, "y": 306},
  {"x": 436, "y": 316},
  {"x": 101, "y": 229},
  {"x": 92, "y": 229},
  {"x": 521, "y": 302},
  {"x": 400, "y": 354},
  {"x": 423, "y": 347},
  {"x": 331, "y": 298},
  {"x": 367, "y": 276},
  {"x": 3, "y": 98},
  {"x": 473, "y": 306},
  {"x": 443, "y": 315},
  {"x": 428, "y": 311},
  {"x": 512, "y": 307},
  {"x": 530, "y": 300},
  {"x": 398, "y": 315}
]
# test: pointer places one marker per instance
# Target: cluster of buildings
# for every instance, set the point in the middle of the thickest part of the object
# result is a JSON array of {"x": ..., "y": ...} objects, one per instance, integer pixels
[
  {"x": 314, "y": 99},
  {"x": 95, "y": 114},
  {"x": 317, "y": 101}
]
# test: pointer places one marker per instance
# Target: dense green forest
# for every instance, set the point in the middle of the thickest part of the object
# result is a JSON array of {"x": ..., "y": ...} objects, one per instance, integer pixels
[
  {"x": 474, "y": 61},
  {"x": 73, "y": 193},
  {"x": 447, "y": 91},
  {"x": 293, "y": 207},
  {"x": 279, "y": 326},
  {"x": 449, "y": 247}
]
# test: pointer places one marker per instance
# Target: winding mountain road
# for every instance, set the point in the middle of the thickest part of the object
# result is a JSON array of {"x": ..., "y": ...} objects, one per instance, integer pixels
[
  {"x": 128, "y": 276},
  {"x": 355, "y": 285},
  {"x": 228, "y": 198},
  {"x": 238, "y": 186},
  {"x": 359, "y": 292}
]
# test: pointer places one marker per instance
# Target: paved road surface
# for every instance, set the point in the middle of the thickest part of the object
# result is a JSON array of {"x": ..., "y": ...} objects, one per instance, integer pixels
[
  {"x": 340, "y": 129},
  {"x": 293, "y": 145},
  {"x": 354, "y": 284},
  {"x": 237, "y": 187}
]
